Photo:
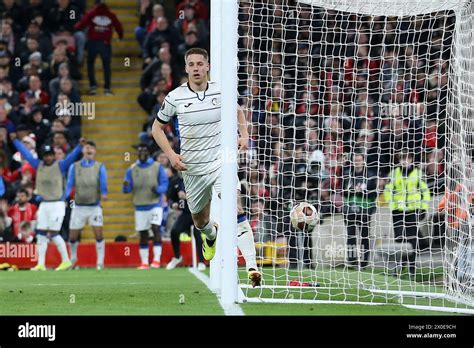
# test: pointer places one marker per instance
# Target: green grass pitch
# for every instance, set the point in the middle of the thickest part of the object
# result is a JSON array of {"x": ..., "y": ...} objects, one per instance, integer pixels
[{"x": 151, "y": 292}]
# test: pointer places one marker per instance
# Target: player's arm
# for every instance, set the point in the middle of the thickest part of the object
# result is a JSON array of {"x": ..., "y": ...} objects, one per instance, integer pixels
[
  {"x": 71, "y": 178},
  {"x": 24, "y": 151},
  {"x": 103, "y": 182},
  {"x": 163, "y": 181},
  {"x": 243, "y": 130},
  {"x": 128, "y": 182},
  {"x": 166, "y": 113},
  {"x": 73, "y": 156}
]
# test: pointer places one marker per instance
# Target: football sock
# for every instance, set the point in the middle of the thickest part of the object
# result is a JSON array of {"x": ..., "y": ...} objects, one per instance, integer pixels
[
  {"x": 42, "y": 243},
  {"x": 157, "y": 251},
  {"x": 144, "y": 253},
  {"x": 246, "y": 243},
  {"x": 73, "y": 246},
  {"x": 61, "y": 245},
  {"x": 210, "y": 231},
  {"x": 100, "y": 249}
]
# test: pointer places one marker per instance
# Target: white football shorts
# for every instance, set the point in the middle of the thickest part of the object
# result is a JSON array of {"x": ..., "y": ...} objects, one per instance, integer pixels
[
  {"x": 199, "y": 189},
  {"x": 51, "y": 216},
  {"x": 145, "y": 218},
  {"x": 82, "y": 215}
]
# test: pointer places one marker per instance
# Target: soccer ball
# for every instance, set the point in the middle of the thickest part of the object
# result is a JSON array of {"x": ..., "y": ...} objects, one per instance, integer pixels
[{"x": 304, "y": 216}]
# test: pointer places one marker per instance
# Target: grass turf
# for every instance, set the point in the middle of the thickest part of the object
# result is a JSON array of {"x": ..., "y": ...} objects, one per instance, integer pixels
[
  {"x": 109, "y": 292},
  {"x": 152, "y": 292}
]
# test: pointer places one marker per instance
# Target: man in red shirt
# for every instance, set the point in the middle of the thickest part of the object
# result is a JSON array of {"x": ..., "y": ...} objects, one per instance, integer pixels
[
  {"x": 100, "y": 21},
  {"x": 23, "y": 215}
]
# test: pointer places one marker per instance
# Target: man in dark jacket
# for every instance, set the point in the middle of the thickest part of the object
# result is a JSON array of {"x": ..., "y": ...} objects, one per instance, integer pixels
[
  {"x": 101, "y": 22},
  {"x": 360, "y": 194},
  {"x": 61, "y": 21}
]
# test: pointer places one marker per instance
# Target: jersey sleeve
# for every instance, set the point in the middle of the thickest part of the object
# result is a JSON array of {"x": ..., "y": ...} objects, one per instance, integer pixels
[{"x": 167, "y": 110}]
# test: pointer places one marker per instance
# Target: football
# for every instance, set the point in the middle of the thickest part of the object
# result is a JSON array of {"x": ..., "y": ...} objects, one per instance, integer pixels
[{"x": 304, "y": 216}]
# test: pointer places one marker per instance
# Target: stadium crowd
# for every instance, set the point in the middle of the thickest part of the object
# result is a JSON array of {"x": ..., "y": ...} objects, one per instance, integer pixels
[
  {"x": 40, "y": 57},
  {"x": 314, "y": 95},
  {"x": 311, "y": 105}
]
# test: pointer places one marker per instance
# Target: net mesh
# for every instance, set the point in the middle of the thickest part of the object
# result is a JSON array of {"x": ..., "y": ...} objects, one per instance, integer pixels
[{"x": 323, "y": 82}]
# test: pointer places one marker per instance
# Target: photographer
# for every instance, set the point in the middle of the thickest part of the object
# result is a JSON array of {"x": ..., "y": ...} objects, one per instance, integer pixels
[{"x": 359, "y": 185}]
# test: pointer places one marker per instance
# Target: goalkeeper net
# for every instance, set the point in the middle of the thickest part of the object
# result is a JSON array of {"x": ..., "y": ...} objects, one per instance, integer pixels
[{"x": 363, "y": 108}]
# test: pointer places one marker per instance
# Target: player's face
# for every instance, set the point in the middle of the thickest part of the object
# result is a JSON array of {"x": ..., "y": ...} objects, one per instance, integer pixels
[
  {"x": 143, "y": 154},
  {"x": 197, "y": 68},
  {"x": 48, "y": 158},
  {"x": 89, "y": 151}
]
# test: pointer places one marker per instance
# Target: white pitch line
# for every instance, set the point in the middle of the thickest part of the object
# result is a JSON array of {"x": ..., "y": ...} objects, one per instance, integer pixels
[{"x": 232, "y": 309}]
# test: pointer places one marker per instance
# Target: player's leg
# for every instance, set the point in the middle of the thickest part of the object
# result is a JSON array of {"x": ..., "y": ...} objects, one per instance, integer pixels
[
  {"x": 156, "y": 219},
  {"x": 58, "y": 211},
  {"x": 199, "y": 195},
  {"x": 246, "y": 244},
  {"x": 142, "y": 226},
  {"x": 96, "y": 220},
  {"x": 74, "y": 243},
  {"x": 351, "y": 228},
  {"x": 76, "y": 224},
  {"x": 364, "y": 238},
  {"x": 411, "y": 230},
  {"x": 41, "y": 238},
  {"x": 178, "y": 227}
]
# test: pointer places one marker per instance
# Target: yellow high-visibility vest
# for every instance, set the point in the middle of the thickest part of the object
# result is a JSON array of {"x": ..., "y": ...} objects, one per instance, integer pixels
[{"x": 407, "y": 193}]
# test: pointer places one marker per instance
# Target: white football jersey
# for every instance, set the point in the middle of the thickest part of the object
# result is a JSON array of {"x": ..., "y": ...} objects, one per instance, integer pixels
[{"x": 197, "y": 117}]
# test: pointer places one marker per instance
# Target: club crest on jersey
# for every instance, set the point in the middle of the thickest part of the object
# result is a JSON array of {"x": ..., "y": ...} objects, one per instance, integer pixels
[{"x": 214, "y": 101}]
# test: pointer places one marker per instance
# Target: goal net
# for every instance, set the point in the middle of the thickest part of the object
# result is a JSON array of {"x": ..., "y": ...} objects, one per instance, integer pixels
[{"x": 364, "y": 109}]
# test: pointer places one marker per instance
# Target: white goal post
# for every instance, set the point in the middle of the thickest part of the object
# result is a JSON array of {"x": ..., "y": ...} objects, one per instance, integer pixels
[{"x": 321, "y": 81}]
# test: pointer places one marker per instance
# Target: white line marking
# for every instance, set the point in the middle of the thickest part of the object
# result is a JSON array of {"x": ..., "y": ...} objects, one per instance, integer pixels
[{"x": 232, "y": 309}]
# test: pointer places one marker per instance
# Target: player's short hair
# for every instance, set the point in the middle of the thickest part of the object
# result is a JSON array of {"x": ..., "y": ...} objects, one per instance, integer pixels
[
  {"x": 196, "y": 50},
  {"x": 91, "y": 143}
]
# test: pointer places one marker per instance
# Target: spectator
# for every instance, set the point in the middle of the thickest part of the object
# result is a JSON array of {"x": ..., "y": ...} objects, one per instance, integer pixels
[
  {"x": 8, "y": 37},
  {"x": 408, "y": 196},
  {"x": 34, "y": 32},
  {"x": 10, "y": 9},
  {"x": 35, "y": 91},
  {"x": 148, "y": 20},
  {"x": 150, "y": 97},
  {"x": 35, "y": 8},
  {"x": 6, "y": 90},
  {"x": 60, "y": 56},
  {"x": 66, "y": 87},
  {"x": 63, "y": 71},
  {"x": 39, "y": 125},
  {"x": 9, "y": 69},
  {"x": 23, "y": 216},
  {"x": 42, "y": 68},
  {"x": 60, "y": 139},
  {"x": 5, "y": 121},
  {"x": 5, "y": 223},
  {"x": 199, "y": 6},
  {"x": 189, "y": 21},
  {"x": 100, "y": 22},
  {"x": 62, "y": 23},
  {"x": 360, "y": 194},
  {"x": 191, "y": 40},
  {"x": 152, "y": 70},
  {"x": 162, "y": 32}
]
